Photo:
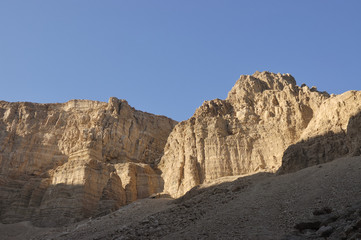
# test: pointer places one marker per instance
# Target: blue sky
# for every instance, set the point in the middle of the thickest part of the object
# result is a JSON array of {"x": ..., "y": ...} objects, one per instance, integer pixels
[{"x": 167, "y": 57}]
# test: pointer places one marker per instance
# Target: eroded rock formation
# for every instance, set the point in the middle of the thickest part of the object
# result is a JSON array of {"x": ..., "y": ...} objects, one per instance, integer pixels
[
  {"x": 263, "y": 115},
  {"x": 62, "y": 162},
  {"x": 333, "y": 132}
]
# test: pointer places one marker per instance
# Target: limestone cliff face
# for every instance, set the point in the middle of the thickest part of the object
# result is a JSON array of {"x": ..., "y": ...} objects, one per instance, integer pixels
[
  {"x": 333, "y": 132},
  {"x": 248, "y": 132},
  {"x": 139, "y": 179},
  {"x": 63, "y": 162}
]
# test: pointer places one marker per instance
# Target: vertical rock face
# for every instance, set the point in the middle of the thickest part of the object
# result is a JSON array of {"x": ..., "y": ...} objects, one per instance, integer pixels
[
  {"x": 139, "y": 180},
  {"x": 60, "y": 163},
  {"x": 246, "y": 133},
  {"x": 333, "y": 132},
  {"x": 63, "y": 162},
  {"x": 267, "y": 123}
]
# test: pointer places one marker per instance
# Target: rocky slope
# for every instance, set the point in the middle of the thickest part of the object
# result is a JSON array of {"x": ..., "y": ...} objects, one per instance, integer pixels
[
  {"x": 260, "y": 206},
  {"x": 266, "y": 122},
  {"x": 60, "y": 163},
  {"x": 330, "y": 224}
]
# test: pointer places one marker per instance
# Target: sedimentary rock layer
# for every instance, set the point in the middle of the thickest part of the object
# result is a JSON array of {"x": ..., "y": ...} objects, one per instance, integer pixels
[
  {"x": 63, "y": 162},
  {"x": 263, "y": 115}
]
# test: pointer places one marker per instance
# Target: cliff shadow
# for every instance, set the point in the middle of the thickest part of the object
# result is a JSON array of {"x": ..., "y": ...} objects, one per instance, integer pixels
[
  {"x": 26, "y": 180},
  {"x": 323, "y": 149},
  {"x": 225, "y": 185}
]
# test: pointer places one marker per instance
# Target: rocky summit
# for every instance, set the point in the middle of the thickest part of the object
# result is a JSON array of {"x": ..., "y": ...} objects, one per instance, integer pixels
[
  {"x": 271, "y": 148},
  {"x": 266, "y": 124}
]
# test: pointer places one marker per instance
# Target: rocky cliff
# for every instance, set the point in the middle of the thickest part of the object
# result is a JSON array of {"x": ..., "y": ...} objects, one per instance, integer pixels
[
  {"x": 264, "y": 115},
  {"x": 63, "y": 162},
  {"x": 334, "y": 131}
]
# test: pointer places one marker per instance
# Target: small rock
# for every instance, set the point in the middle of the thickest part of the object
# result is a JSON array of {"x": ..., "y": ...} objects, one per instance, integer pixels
[
  {"x": 315, "y": 225},
  {"x": 330, "y": 218},
  {"x": 325, "y": 231},
  {"x": 155, "y": 223},
  {"x": 236, "y": 188},
  {"x": 186, "y": 205},
  {"x": 324, "y": 210},
  {"x": 145, "y": 221}
]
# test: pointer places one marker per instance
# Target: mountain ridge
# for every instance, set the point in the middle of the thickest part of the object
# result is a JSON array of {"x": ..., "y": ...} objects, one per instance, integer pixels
[{"x": 64, "y": 162}]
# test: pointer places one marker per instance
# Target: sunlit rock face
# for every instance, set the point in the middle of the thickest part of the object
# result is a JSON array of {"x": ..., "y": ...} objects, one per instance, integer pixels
[
  {"x": 246, "y": 133},
  {"x": 62, "y": 162},
  {"x": 267, "y": 123}
]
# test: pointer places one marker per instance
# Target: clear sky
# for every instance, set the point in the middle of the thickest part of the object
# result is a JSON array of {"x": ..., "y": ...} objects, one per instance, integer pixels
[{"x": 167, "y": 57}]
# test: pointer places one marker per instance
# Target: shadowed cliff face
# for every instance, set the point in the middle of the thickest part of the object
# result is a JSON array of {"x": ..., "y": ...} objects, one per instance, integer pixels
[
  {"x": 249, "y": 132},
  {"x": 64, "y": 162},
  {"x": 334, "y": 132}
]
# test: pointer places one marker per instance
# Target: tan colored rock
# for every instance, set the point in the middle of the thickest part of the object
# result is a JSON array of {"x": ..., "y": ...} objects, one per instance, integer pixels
[
  {"x": 267, "y": 123},
  {"x": 139, "y": 180},
  {"x": 333, "y": 132},
  {"x": 60, "y": 163},
  {"x": 246, "y": 133},
  {"x": 57, "y": 161}
]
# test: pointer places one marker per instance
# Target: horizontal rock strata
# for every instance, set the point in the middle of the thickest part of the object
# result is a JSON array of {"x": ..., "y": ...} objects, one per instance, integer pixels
[{"x": 62, "y": 162}]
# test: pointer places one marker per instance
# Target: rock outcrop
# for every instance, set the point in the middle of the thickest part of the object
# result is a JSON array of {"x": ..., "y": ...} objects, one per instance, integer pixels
[
  {"x": 63, "y": 162},
  {"x": 328, "y": 224},
  {"x": 333, "y": 132},
  {"x": 262, "y": 117}
]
